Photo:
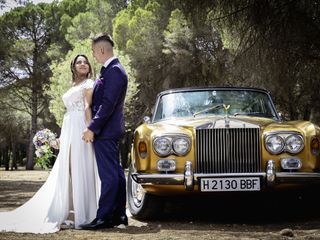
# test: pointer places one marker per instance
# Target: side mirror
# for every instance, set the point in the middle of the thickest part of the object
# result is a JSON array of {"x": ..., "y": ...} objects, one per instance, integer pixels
[{"x": 146, "y": 119}]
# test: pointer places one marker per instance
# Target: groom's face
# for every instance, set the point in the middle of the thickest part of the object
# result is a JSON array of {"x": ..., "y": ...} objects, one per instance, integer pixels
[
  {"x": 102, "y": 51},
  {"x": 98, "y": 52}
]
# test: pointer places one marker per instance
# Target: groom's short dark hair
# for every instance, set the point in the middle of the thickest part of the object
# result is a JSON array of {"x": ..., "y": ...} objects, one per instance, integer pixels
[{"x": 103, "y": 37}]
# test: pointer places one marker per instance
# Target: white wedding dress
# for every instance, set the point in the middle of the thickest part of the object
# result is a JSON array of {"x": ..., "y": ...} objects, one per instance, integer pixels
[{"x": 73, "y": 183}]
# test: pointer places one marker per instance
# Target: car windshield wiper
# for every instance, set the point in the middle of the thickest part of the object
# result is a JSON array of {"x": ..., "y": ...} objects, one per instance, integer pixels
[
  {"x": 252, "y": 114},
  {"x": 208, "y": 109}
]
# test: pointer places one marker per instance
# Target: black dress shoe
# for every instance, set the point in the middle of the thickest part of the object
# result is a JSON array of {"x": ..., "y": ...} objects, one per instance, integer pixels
[
  {"x": 97, "y": 224},
  {"x": 117, "y": 220}
]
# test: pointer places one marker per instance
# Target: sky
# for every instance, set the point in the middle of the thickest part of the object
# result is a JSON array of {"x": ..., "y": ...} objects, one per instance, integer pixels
[{"x": 11, "y": 4}]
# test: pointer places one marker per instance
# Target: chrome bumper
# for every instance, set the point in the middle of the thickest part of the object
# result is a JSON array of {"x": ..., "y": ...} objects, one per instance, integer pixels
[{"x": 189, "y": 179}]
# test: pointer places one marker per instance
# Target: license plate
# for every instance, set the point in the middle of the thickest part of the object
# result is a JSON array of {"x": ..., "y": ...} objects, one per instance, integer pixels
[{"x": 230, "y": 184}]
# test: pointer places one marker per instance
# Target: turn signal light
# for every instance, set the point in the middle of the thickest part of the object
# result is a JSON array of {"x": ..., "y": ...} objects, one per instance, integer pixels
[
  {"x": 142, "y": 149},
  {"x": 315, "y": 146}
]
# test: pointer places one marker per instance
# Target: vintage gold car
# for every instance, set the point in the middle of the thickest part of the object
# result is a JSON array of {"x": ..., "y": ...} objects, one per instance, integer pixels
[{"x": 218, "y": 139}]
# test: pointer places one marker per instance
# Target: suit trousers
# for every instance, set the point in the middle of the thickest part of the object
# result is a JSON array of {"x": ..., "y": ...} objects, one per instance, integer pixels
[{"x": 112, "y": 201}]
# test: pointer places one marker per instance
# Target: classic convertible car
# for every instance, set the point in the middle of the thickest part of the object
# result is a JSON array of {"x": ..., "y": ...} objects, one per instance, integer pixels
[{"x": 219, "y": 139}]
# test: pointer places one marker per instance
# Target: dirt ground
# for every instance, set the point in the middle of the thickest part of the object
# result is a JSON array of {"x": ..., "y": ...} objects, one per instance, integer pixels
[{"x": 290, "y": 215}]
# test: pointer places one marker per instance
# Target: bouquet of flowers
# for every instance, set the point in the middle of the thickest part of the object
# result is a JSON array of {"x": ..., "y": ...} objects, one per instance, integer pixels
[{"x": 44, "y": 141}]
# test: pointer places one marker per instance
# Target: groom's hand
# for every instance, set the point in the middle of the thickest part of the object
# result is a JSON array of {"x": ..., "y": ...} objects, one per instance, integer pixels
[{"x": 87, "y": 135}]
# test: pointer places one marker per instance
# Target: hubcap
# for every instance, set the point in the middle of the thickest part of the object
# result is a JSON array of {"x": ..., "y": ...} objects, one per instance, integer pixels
[{"x": 137, "y": 193}]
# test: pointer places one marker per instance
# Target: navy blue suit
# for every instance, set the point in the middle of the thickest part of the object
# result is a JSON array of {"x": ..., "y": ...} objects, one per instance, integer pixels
[{"x": 108, "y": 126}]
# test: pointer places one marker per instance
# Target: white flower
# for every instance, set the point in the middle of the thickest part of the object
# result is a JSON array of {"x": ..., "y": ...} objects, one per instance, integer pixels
[
  {"x": 39, "y": 153},
  {"x": 43, "y": 141}
]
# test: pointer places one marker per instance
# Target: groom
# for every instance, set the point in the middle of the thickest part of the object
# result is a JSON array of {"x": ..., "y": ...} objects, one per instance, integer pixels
[{"x": 105, "y": 130}]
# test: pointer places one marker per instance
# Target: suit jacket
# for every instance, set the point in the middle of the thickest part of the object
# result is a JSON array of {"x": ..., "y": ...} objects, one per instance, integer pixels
[{"x": 108, "y": 101}]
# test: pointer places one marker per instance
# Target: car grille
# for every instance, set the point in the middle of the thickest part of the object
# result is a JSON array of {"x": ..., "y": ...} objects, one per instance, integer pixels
[{"x": 228, "y": 150}]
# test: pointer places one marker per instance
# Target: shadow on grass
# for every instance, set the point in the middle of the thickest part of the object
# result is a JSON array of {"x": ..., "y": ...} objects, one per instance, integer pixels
[
  {"x": 15, "y": 193},
  {"x": 255, "y": 212},
  {"x": 248, "y": 211}
]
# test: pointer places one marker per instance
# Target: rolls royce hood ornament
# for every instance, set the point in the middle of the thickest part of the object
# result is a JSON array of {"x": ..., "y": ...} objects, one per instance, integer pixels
[{"x": 226, "y": 118}]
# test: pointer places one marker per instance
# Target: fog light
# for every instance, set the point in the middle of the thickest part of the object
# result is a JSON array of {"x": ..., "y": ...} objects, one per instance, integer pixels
[
  {"x": 165, "y": 165},
  {"x": 291, "y": 163}
]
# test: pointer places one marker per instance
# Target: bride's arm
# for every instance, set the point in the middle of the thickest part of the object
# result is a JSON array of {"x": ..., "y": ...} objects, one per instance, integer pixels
[{"x": 87, "y": 104}]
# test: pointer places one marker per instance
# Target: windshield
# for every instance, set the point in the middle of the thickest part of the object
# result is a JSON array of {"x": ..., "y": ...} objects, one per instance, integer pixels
[{"x": 214, "y": 102}]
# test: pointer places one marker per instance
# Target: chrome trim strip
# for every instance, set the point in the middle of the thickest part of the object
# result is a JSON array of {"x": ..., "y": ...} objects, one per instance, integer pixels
[
  {"x": 180, "y": 179},
  {"x": 169, "y": 179},
  {"x": 297, "y": 177}
]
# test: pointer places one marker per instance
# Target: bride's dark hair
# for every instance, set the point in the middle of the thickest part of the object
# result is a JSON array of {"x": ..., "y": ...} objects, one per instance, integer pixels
[{"x": 73, "y": 68}]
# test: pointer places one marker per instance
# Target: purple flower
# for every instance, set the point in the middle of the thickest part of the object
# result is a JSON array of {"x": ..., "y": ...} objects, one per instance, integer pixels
[
  {"x": 43, "y": 137},
  {"x": 99, "y": 81}
]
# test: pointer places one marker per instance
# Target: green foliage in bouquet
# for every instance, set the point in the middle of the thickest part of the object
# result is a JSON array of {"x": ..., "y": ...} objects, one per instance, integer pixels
[
  {"x": 43, "y": 160},
  {"x": 44, "y": 141}
]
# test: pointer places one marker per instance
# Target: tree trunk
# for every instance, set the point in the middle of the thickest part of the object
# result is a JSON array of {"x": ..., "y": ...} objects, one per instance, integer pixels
[
  {"x": 30, "y": 163},
  {"x": 307, "y": 113},
  {"x": 6, "y": 158},
  {"x": 30, "y": 160},
  {"x": 20, "y": 154},
  {"x": 1, "y": 156},
  {"x": 14, "y": 154}
]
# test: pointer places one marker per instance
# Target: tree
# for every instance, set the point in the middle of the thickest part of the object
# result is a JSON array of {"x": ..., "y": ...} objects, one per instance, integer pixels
[
  {"x": 61, "y": 80},
  {"x": 138, "y": 33},
  {"x": 13, "y": 132},
  {"x": 3, "y": 3},
  {"x": 28, "y": 35},
  {"x": 277, "y": 47},
  {"x": 170, "y": 44},
  {"x": 81, "y": 27}
]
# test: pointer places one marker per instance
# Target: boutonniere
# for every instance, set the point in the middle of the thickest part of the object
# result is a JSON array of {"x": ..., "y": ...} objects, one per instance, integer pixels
[{"x": 99, "y": 81}]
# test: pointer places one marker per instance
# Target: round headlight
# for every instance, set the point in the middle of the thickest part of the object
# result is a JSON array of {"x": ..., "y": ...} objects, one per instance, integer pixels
[
  {"x": 294, "y": 143},
  {"x": 162, "y": 146},
  {"x": 181, "y": 146},
  {"x": 274, "y": 144}
]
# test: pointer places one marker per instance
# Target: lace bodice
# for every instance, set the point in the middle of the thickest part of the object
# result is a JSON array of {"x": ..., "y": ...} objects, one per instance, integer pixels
[{"x": 73, "y": 99}]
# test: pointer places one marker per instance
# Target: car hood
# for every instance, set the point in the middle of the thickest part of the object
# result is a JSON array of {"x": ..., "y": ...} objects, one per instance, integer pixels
[{"x": 265, "y": 124}]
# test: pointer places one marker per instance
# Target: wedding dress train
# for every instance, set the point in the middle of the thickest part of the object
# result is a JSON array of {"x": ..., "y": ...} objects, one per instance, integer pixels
[{"x": 73, "y": 180}]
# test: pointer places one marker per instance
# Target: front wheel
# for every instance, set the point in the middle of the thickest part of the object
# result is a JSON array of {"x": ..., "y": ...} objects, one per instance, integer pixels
[{"x": 141, "y": 204}]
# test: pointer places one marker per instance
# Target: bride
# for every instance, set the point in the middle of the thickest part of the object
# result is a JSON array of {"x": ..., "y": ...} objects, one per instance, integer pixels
[{"x": 71, "y": 192}]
